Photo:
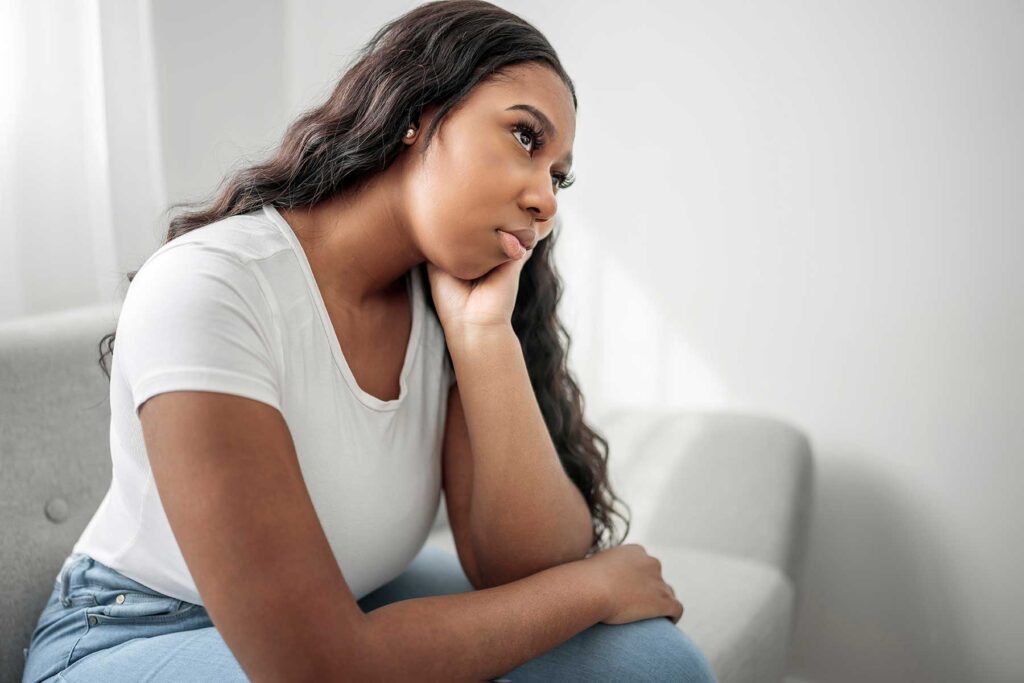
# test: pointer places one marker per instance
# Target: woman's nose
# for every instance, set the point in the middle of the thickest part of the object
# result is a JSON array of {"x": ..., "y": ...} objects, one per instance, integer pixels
[{"x": 542, "y": 201}]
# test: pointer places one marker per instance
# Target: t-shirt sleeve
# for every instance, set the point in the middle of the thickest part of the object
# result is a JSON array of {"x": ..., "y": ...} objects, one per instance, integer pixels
[{"x": 195, "y": 318}]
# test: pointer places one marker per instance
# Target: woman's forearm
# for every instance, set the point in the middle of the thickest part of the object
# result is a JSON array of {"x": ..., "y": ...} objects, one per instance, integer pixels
[
  {"x": 515, "y": 464},
  {"x": 480, "y": 635}
]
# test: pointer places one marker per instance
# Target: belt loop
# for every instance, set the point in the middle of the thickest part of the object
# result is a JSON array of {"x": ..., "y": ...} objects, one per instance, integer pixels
[{"x": 65, "y": 577}]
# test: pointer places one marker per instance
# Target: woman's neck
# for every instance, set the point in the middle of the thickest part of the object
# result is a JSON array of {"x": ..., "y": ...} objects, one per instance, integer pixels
[{"x": 358, "y": 246}]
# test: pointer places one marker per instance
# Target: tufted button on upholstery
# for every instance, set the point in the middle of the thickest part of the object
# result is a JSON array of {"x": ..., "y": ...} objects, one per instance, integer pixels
[{"x": 57, "y": 510}]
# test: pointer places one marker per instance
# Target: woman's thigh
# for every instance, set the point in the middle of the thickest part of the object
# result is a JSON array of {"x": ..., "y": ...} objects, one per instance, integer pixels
[
  {"x": 86, "y": 633},
  {"x": 647, "y": 650},
  {"x": 100, "y": 625},
  {"x": 198, "y": 654}
]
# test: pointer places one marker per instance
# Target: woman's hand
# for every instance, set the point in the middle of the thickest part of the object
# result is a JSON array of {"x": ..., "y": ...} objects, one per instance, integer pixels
[
  {"x": 634, "y": 585},
  {"x": 487, "y": 301}
]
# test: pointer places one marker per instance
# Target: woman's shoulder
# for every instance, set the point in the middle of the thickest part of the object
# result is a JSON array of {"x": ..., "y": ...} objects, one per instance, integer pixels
[
  {"x": 198, "y": 276},
  {"x": 243, "y": 238}
]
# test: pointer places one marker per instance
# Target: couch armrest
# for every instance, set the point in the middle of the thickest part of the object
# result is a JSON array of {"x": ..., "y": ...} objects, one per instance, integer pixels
[{"x": 729, "y": 483}]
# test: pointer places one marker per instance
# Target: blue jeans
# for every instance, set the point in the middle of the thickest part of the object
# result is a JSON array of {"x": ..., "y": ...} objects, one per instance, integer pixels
[{"x": 99, "y": 625}]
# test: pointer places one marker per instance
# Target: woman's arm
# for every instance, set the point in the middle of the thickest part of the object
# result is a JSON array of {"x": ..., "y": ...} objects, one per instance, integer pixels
[
  {"x": 521, "y": 511},
  {"x": 230, "y": 482},
  {"x": 482, "y": 634}
]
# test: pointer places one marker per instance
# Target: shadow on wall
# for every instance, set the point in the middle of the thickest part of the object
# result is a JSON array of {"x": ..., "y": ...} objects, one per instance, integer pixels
[{"x": 884, "y": 550}]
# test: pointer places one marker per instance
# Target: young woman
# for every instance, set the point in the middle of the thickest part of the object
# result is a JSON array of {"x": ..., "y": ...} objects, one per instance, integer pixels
[{"x": 347, "y": 329}]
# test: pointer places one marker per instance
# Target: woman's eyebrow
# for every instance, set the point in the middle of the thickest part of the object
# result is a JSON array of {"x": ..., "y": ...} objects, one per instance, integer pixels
[{"x": 546, "y": 122}]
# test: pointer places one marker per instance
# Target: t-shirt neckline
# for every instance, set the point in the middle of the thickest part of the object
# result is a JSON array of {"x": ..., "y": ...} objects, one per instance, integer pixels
[{"x": 413, "y": 285}]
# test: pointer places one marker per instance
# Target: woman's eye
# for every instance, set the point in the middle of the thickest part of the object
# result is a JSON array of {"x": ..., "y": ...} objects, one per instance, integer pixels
[
  {"x": 536, "y": 137},
  {"x": 526, "y": 133}
]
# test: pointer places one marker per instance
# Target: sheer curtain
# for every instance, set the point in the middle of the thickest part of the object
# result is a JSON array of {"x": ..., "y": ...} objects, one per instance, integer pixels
[{"x": 81, "y": 185}]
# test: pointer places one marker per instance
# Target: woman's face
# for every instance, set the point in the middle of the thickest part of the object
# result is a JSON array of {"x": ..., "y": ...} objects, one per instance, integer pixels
[{"x": 484, "y": 171}]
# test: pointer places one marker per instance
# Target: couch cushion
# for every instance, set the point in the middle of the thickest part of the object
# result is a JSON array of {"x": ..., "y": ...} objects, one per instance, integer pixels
[{"x": 739, "y": 612}]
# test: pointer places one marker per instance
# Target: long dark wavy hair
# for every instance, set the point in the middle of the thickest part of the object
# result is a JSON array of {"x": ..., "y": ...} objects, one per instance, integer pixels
[{"x": 434, "y": 54}]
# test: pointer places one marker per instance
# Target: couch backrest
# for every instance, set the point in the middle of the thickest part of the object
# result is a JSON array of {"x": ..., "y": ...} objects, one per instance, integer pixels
[{"x": 54, "y": 457}]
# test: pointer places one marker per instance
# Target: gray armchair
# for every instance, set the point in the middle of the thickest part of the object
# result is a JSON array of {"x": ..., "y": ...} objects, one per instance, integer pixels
[{"x": 721, "y": 499}]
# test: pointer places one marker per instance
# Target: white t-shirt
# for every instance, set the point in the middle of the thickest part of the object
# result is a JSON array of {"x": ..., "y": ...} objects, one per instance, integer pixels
[{"x": 233, "y": 307}]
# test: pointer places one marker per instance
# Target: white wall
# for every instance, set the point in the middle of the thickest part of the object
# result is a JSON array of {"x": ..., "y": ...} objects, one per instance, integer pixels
[
  {"x": 221, "y": 69},
  {"x": 818, "y": 207},
  {"x": 807, "y": 210}
]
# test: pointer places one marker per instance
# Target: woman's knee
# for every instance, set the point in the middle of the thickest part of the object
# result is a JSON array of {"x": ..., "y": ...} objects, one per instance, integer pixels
[{"x": 651, "y": 649}]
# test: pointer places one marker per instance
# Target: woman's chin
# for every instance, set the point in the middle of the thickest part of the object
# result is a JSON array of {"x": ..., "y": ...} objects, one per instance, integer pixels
[
  {"x": 460, "y": 270},
  {"x": 471, "y": 271}
]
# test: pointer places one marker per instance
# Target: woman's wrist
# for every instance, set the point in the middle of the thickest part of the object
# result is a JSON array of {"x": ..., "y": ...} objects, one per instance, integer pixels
[
  {"x": 596, "y": 580},
  {"x": 467, "y": 337}
]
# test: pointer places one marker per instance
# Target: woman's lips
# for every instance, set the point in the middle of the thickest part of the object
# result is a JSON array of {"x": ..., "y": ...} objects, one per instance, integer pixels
[
  {"x": 526, "y": 237},
  {"x": 511, "y": 244}
]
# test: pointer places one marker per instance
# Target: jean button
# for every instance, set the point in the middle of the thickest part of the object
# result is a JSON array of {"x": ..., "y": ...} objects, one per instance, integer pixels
[
  {"x": 92, "y": 620},
  {"x": 120, "y": 599}
]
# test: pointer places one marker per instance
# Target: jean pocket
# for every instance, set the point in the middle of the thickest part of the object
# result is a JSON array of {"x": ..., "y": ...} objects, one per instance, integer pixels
[
  {"x": 135, "y": 607},
  {"x": 54, "y": 607}
]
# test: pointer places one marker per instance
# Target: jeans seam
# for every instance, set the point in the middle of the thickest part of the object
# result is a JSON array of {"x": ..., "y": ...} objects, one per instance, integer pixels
[
  {"x": 99, "y": 586},
  {"x": 71, "y": 652},
  {"x": 64, "y": 579},
  {"x": 183, "y": 611},
  {"x": 83, "y": 601}
]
